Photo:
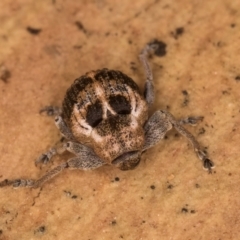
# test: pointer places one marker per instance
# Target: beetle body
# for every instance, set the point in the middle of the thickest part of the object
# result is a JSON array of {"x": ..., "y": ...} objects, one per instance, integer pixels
[{"x": 105, "y": 110}]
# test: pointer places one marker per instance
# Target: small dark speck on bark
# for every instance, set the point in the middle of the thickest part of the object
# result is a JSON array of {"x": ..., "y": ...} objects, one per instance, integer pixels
[
  {"x": 184, "y": 210},
  {"x": 237, "y": 78},
  {"x": 41, "y": 229},
  {"x": 34, "y": 31},
  {"x": 5, "y": 74},
  {"x": 160, "y": 49},
  {"x": 81, "y": 27},
  {"x": 178, "y": 32}
]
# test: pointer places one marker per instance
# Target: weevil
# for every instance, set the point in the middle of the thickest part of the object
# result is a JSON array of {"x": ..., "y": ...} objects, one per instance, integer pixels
[{"x": 104, "y": 119}]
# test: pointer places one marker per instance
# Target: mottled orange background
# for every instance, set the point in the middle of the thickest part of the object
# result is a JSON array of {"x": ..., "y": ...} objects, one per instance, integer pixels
[{"x": 45, "y": 45}]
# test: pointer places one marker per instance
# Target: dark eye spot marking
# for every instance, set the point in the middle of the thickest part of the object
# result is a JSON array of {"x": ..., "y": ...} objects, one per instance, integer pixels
[
  {"x": 120, "y": 104},
  {"x": 94, "y": 114}
]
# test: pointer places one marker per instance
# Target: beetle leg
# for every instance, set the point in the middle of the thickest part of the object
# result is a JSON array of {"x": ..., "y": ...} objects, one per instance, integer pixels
[
  {"x": 86, "y": 157},
  {"x": 160, "y": 123},
  {"x": 34, "y": 183},
  {"x": 46, "y": 157},
  {"x": 190, "y": 120},
  {"x": 67, "y": 134},
  {"x": 152, "y": 47},
  {"x": 86, "y": 160},
  {"x": 51, "y": 110},
  {"x": 149, "y": 88},
  {"x": 61, "y": 125},
  {"x": 63, "y": 128}
]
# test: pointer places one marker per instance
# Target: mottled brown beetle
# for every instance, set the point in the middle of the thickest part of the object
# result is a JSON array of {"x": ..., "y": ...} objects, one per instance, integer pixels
[{"x": 105, "y": 120}]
